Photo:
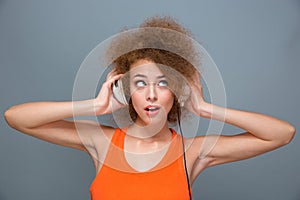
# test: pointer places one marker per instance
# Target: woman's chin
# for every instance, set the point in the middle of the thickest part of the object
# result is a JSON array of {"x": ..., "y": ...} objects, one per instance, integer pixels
[{"x": 152, "y": 120}]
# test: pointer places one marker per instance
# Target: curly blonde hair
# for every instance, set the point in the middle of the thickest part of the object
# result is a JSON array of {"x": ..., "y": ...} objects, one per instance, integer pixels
[{"x": 155, "y": 46}]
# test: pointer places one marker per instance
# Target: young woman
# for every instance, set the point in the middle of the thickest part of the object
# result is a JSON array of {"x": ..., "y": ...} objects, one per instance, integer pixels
[{"x": 147, "y": 159}]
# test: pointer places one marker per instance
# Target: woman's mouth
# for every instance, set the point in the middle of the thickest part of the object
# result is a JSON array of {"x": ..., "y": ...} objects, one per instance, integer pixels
[{"x": 152, "y": 110}]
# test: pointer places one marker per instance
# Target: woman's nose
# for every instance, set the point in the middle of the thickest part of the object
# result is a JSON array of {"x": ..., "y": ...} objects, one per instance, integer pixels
[{"x": 151, "y": 93}]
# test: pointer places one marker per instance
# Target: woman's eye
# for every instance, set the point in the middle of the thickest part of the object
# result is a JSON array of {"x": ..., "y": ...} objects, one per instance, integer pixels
[
  {"x": 140, "y": 83},
  {"x": 163, "y": 83}
]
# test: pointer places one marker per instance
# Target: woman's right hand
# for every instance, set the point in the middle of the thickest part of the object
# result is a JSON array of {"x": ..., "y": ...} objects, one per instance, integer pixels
[
  {"x": 46, "y": 120},
  {"x": 105, "y": 103}
]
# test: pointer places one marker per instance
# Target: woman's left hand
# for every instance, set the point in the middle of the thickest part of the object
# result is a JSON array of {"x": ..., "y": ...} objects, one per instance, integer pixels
[{"x": 196, "y": 103}]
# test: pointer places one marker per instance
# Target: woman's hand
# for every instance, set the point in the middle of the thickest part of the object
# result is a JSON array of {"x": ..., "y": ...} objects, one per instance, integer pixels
[
  {"x": 105, "y": 103},
  {"x": 262, "y": 133},
  {"x": 196, "y": 103}
]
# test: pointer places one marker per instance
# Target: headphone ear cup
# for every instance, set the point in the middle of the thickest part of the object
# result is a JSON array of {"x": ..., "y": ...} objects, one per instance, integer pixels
[
  {"x": 184, "y": 96},
  {"x": 118, "y": 92},
  {"x": 182, "y": 99}
]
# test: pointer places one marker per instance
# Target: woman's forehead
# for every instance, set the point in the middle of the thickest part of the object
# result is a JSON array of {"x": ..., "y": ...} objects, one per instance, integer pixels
[
  {"x": 155, "y": 71},
  {"x": 145, "y": 67}
]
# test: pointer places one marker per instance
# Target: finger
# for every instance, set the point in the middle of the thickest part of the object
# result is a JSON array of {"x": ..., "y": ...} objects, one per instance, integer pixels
[
  {"x": 114, "y": 78},
  {"x": 106, "y": 88},
  {"x": 194, "y": 85},
  {"x": 196, "y": 77},
  {"x": 197, "y": 82},
  {"x": 112, "y": 73}
]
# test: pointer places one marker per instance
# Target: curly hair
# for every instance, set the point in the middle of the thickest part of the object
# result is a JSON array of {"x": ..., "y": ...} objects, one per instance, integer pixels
[{"x": 160, "y": 40}]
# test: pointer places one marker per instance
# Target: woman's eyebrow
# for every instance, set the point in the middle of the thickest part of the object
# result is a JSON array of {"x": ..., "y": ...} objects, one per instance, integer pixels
[
  {"x": 144, "y": 76},
  {"x": 161, "y": 76},
  {"x": 140, "y": 75}
]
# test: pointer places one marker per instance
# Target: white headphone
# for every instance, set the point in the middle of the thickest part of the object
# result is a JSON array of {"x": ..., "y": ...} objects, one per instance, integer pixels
[{"x": 118, "y": 92}]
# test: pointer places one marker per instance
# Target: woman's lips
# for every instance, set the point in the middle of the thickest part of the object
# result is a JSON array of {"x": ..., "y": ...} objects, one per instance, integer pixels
[{"x": 152, "y": 110}]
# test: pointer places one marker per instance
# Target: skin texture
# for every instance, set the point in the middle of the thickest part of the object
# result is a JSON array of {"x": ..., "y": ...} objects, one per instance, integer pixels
[{"x": 148, "y": 89}]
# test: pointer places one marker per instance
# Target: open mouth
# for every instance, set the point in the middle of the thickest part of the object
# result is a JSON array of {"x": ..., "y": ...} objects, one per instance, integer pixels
[{"x": 151, "y": 109}]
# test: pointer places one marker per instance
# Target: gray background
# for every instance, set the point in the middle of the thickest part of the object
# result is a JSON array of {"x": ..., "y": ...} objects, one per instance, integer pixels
[{"x": 256, "y": 45}]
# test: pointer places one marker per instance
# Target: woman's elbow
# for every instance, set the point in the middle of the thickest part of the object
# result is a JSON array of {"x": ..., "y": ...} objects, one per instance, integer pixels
[
  {"x": 289, "y": 135},
  {"x": 10, "y": 118}
]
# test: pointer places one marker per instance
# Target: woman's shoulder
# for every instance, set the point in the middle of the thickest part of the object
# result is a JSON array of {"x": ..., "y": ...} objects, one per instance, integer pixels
[
  {"x": 194, "y": 141},
  {"x": 108, "y": 131},
  {"x": 95, "y": 129},
  {"x": 193, "y": 145}
]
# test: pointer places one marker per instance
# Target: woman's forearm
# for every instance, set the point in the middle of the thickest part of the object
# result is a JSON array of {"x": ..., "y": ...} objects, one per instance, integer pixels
[
  {"x": 34, "y": 114},
  {"x": 261, "y": 126}
]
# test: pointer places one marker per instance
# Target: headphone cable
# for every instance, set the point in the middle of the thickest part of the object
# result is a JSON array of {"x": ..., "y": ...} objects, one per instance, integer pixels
[{"x": 184, "y": 156}]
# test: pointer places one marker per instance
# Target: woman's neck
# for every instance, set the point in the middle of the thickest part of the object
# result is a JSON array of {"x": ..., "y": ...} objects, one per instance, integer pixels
[{"x": 152, "y": 132}]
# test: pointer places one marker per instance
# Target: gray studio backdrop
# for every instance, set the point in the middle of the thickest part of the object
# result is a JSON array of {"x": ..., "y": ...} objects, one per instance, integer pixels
[{"x": 256, "y": 45}]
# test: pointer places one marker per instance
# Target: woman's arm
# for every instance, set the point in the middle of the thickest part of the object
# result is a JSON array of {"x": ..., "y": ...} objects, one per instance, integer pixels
[
  {"x": 263, "y": 133},
  {"x": 35, "y": 114},
  {"x": 46, "y": 120}
]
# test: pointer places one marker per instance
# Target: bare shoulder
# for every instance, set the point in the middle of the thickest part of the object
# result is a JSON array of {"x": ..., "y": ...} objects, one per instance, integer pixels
[
  {"x": 108, "y": 131},
  {"x": 193, "y": 145},
  {"x": 95, "y": 130},
  {"x": 200, "y": 148},
  {"x": 96, "y": 139}
]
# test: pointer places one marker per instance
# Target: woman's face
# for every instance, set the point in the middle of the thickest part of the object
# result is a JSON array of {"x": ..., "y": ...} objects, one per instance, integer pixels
[{"x": 151, "y": 97}]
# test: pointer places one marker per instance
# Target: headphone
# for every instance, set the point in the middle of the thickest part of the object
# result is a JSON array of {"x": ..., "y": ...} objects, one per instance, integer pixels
[
  {"x": 118, "y": 92},
  {"x": 120, "y": 96}
]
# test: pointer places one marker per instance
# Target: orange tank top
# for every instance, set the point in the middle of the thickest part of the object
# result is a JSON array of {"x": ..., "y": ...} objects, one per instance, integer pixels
[{"x": 161, "y": 182}]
